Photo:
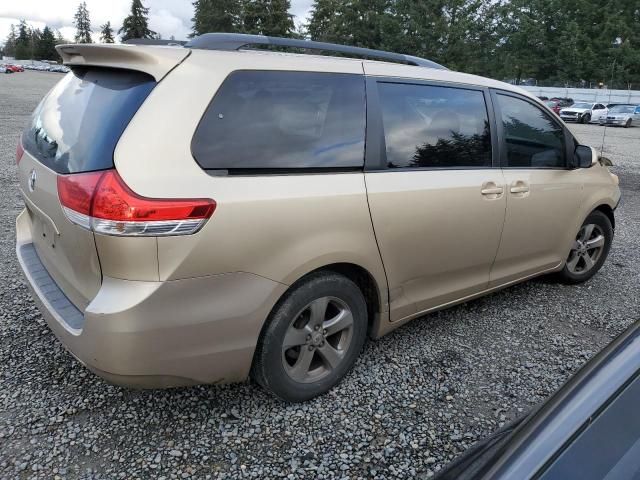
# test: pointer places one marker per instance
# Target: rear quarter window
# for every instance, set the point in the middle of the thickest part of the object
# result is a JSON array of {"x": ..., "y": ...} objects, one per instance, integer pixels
[
  {"x": 76, "y": 127},
  {"x": 283, "y": 121}
]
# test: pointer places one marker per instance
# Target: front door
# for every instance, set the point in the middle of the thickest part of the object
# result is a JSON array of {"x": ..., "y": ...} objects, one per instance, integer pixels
[
  {"x": 436, "y": 202},
  {"x": 543, "y": 195}
]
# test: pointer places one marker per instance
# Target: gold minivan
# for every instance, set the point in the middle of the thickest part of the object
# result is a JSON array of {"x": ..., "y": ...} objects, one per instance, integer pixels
[{"x": 209, "y": 212}]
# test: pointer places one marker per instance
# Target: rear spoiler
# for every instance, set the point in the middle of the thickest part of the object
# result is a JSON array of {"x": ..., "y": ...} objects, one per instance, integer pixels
[{"x": 156, "y": 61}]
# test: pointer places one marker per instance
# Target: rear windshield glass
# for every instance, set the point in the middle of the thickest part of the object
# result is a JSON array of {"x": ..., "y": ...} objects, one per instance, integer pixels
[
  {"x": 283, "y": 120},
  {"x": 77, "y": 125}
]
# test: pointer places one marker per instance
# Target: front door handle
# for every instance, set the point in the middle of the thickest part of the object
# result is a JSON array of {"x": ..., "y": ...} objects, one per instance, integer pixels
[
  {"x": 519, "y": 187},
  {"x": 491, "y": 190}
]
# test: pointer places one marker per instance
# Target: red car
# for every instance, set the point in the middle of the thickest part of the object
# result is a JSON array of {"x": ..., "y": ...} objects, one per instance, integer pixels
[
  {"x": 554, "y": 105},
  {"x": 15, "y": 68}
]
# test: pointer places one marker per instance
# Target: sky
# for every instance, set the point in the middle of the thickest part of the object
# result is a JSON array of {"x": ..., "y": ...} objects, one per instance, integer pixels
[{"x": 167, "y": 17}]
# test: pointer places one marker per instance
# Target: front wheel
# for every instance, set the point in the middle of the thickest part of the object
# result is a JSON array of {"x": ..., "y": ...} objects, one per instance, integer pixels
[
  {"x": 586, "y": 118},
  {"x": 589, "y": 250},
  {"x": 312, "y": 338},
  {"x": 628, "y": 124}
]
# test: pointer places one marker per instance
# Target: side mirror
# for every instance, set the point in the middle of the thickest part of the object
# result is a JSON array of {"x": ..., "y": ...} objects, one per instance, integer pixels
[{"x": 583, "y": 157}]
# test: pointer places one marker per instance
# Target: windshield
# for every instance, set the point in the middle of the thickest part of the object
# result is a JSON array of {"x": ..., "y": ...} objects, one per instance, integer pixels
[
  {"x": 622, "y": 109},
  {"x": 582, "y": 105},
  {"x": 550, "y": 104},
  {"x": 77, "y": 125}
]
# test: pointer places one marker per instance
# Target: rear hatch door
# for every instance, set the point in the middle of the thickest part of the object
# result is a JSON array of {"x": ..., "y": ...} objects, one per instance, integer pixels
[{"x": 74, "y": 130}]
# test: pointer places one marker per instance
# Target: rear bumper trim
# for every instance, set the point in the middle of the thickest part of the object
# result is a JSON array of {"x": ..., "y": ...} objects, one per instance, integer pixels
[{"x": 47, "y": 290}]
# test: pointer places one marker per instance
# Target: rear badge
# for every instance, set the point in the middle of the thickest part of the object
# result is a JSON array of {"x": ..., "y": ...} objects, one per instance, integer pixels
[{"x": 32, "y": 180}]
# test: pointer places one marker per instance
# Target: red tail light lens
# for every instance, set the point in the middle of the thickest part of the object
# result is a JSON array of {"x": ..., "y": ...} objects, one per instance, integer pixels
[
  {"x": 19, "y": 152},
  {"x": 102, "y": 202}
]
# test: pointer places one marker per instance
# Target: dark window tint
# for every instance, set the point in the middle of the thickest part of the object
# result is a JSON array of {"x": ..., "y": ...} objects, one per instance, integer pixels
[
  {"x": 427, "y": 126},
  {"x": 609, "y": 448},
  {"x": 77, "y": 125},
  {"x": 533, "y": 139},
  {"x": 283, "y": 120}
]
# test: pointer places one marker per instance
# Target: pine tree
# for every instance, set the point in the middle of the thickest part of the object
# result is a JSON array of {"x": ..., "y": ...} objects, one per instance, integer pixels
[
  {"x": 46, "y": 49},
  {"x": 23, "y": 47},
  {"x": 60, "y": 39},
  {"x": 35, "y": 36},
  {"x": 10, "y": 42},
  {"x": 324, "y": 21},
  {"x": 268, "y": 17},
  {"x": 106, "y": 33},
  {"x": 83, "y": 24},
  {"x": 216, "y": 16},
  {"x": 136, "y": 25}
]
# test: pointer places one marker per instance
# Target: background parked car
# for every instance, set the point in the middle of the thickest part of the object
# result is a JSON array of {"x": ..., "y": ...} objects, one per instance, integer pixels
[
  {"x": 564, "y": 101},
  {"x": 589, "y": 429},
  {"x": 15, "y": 68},
  {"x": 622, "y": 115},
  {"x": 583, "y": 112},
  {"x": 554, "y": 105}
]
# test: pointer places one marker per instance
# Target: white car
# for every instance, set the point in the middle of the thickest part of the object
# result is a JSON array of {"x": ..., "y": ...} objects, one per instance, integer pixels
[
  {"x": 584, "y": 112},
  {"x": 622, "y": 115}
]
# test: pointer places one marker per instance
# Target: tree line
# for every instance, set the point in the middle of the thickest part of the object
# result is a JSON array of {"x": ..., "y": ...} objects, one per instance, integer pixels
[
  {"x": 559, "y": 42},
  {"x": 25, "y": 42}
]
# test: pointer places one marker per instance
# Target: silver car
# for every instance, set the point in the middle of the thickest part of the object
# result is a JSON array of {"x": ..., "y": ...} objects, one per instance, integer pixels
[{"x": 622, "y": 115}]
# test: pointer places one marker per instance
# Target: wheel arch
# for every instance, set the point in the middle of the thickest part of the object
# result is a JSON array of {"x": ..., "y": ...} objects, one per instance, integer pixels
[
  {"x": 363, "y": 278},
  {"x": 608, "y": 211}
]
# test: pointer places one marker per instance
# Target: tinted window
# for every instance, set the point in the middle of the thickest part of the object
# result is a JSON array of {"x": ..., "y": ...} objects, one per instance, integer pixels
[
  {"x": 609, "y": 448},
  {"x": 533, "y": 139},
  {"x": 77, "y": 125},
  {"x": 427, "y": 126},
  {"x": 283, "y": 120}
]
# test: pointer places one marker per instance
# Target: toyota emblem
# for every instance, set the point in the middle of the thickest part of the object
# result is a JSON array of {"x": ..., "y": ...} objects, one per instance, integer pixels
[{"x": 32, "y": 180}]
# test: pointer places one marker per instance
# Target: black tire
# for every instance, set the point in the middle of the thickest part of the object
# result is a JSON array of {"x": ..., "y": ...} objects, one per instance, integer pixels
[
  {"x": 628, "y": 124},
  {"x": 602, "y": 221},
  {"x": 269, "y": 361},
  {"x": 586, "y": 118}
]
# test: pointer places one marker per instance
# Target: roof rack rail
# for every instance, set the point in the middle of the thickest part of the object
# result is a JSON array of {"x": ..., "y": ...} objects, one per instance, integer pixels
[
  {"x": 155, "y": 41},
  {"x": 235, "y": 41}
]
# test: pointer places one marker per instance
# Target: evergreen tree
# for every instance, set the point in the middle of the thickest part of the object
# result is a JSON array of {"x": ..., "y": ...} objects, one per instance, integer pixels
[
  {"x": 216, "y": 16},
  {"x": 10, "y": 42},
  {"x": 268, "y": 17},
  {"x": 35, "y": 37},
  {"x": 136, "y": 25},
  {"x": 46, "y": 49},
  {"x": 324, "y": 24},
  {"x": 60, "y": 39},
  {"x": 106, "y": 33},
  {"x": 83, "y": 24},
  {"x": 23, "y": 42}
]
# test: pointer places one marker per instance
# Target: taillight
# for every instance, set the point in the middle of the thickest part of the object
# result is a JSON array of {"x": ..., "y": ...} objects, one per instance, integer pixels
[
  {"x": 19, "y": 152},
  {"x": 102, "y": 202}
]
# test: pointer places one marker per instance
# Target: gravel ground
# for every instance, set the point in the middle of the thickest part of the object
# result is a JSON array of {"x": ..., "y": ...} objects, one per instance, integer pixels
[{"x": 415, "y": 400}]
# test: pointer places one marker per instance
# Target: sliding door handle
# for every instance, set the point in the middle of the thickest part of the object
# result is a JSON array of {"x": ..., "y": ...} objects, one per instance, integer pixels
[
  {"x": 519, "y": 187},
  {"x": 492, "y": 191}
]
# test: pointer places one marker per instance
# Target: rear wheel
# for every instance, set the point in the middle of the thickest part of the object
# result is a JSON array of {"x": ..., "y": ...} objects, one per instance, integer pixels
[
  {"x": 312, "y": 339},
  {"x": 589, "y": 250}
]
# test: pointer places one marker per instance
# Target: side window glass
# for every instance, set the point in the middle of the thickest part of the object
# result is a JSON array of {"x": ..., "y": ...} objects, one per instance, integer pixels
[
  {"x": 434, "y": 127},
  {"x": 532, "y": 138},
  {"x": 283, "y": 120}
]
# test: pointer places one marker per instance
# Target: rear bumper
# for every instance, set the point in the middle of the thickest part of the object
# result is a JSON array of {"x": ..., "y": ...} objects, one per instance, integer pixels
[{"x": 158, "y": 334}]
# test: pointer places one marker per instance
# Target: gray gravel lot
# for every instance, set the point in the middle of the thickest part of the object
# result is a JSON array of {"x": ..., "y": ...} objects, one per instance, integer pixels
[{"x": 415, "y": 400}]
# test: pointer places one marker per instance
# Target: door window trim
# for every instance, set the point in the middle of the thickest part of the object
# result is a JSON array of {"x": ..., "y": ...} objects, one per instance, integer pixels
[
  {"x": 375, "y": 143},
  {"x": 569, "y": 140}
]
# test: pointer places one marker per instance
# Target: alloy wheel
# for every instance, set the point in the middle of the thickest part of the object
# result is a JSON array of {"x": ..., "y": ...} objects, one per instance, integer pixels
[
  {"x": 587, "y": 248},
  {"x": 317, "y": 340}
]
